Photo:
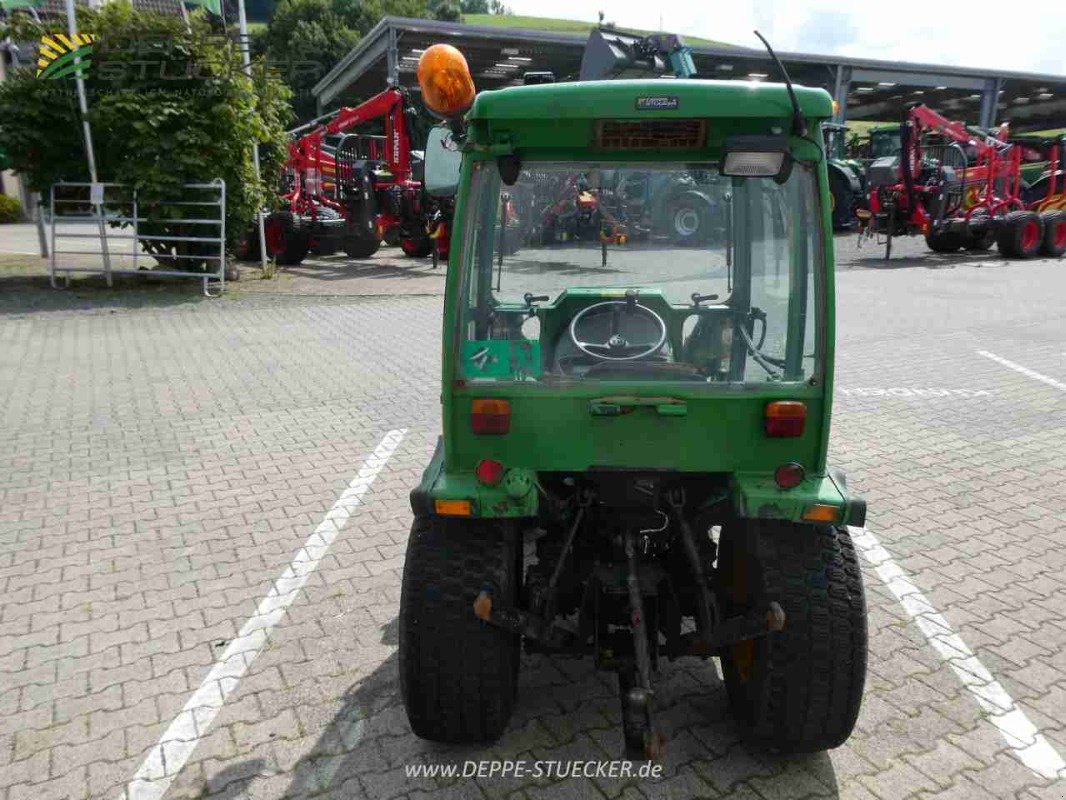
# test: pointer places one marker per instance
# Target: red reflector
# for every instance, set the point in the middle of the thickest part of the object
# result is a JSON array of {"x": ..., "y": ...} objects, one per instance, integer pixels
[
  {"x": 788, "y": 476},
  {"x": 785, "y": 418},
  {"x": 490, "y": 416},
  {"x": 488, "y": 471}
]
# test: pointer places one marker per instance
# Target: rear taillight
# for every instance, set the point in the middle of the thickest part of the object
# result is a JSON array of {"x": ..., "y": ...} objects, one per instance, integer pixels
[
  {"x": 490, "y": 417},
  {"x": 785, "y": 418},
  {"x": 489, "y": 472},
  {"x": 788, "y": 476}
]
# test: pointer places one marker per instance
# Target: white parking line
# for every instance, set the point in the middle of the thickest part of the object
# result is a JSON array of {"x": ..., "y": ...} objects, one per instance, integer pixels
[
  {"x": 166, "y": 759},
  {"x": 1036, "y": 376},
  {"x": 1027, "y": 742}
]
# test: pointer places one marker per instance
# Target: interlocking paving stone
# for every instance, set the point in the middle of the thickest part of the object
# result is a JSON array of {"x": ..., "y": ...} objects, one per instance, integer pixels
[{"x": 163, "y": 463}]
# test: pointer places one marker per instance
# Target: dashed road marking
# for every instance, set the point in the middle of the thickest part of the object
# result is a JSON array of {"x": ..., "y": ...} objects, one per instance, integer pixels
[
  {"x": 1036, "y": 376},
  {"x": 1023, "y": 737},
  {"x": 166, "y": 759}
]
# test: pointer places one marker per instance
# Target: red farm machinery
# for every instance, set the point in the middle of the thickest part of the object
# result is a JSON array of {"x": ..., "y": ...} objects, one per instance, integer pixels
[
  {"x": 350, "y": 191},
  {"x": 963, "y": 188}
]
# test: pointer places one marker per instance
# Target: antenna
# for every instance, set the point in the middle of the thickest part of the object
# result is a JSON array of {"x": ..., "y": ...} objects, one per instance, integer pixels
[{"x": 799, "y": 125}]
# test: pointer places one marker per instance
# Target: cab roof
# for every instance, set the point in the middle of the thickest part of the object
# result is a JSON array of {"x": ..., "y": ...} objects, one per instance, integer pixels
[{"x": 634, "y": 99}]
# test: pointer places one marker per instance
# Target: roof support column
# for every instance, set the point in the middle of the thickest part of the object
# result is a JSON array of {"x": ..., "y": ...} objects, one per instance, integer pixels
[
  {"x": 840, "y": 93},
  {"x": 392, "y": 56},
  {"x": 989, "y": 101}
]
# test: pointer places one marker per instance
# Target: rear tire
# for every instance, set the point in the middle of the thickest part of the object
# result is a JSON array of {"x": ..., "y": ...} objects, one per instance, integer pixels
[
  {"x": 843, "y": 200},
  {"x": 458, "y": 675},
  {"x": 248, "y": 246},
  {"x": 417, "y": 248},
  {"x": 1054, "y": 242},
  {"x": 285, "y": 243},
  {"x": 356, "y": 247},
  {"x": 690, "y": 220},
  {"x": 979, "y": 243},
  {"x": 1019, "y": 234},
  {"x": 798, "y": 690},
  {"x": 943, "y": 241}
]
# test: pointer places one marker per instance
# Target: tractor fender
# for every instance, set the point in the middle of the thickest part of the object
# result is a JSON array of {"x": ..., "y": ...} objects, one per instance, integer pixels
[{"x": 847, "y": 173}]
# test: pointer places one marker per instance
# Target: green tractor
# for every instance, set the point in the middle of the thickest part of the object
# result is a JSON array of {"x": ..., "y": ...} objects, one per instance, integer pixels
[
  {"x": 884, "y": 142},
  {"x": 846, "y": 176},
  {"x": 633, "y": 461}
]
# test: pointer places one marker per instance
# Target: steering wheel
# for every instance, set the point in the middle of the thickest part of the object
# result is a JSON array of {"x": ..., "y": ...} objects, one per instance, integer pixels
[{"x": 617, "y": 347}]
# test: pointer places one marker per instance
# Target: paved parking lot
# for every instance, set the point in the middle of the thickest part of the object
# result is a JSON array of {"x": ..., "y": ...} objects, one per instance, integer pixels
[{"x": 163, "y": 465}]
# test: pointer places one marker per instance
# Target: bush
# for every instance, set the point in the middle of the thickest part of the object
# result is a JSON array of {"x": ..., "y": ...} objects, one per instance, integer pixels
[
  {"x": 10, "y": 209},
  {"x": 190, "y": 116}
]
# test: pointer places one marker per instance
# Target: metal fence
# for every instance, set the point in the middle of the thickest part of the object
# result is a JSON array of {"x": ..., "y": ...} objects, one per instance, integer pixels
[{"x": 108, "y": 221}]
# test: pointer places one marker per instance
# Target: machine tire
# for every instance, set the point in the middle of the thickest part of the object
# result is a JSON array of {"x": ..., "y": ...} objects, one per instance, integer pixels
[
  {"x": 325, "y": 246},
  {"x": 1054, "y": 242},
  {"x": 458, "y": 675},
  {"x": 979, "y": 243},
  {"x": 689, "y": 220},
  {"x": 1020, "y": 234},
  {"x": 358, "y": 247},
  {"x": 285, "y": 243},
  {"x": 417, "y": 248},
  {"x": 843, "y": 199},
  {"x": 798, "y": 690},
  {"x": 248, "y": 246},
  {"x": 944, "y": 241}
]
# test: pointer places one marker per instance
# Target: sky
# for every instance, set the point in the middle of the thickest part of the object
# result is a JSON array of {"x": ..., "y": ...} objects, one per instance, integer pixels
[{"x": 1025, "y": 36}]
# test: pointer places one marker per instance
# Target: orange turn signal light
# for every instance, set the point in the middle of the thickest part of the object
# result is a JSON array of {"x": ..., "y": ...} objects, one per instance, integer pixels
[
  {"x": 785, "y": 418},
  {"x": 489, "y": 416},
  {"x": 452, "y": 508},
  {"x": 821, "y": 513},
  {"x": 443, "y": 75}
]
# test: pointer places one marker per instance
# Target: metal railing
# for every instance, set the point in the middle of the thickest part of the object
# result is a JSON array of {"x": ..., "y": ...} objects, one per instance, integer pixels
[{"x": 125, "y": 231}]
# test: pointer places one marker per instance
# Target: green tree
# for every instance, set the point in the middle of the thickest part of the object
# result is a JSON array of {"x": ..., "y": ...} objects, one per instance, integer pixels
[
  {"x": 168, "y": 106},
  {"x": 475, "y": 6},
  {"x": 362, "y": 15},
  {"x": 445, "y": 10},
  {"x": 304, "y": 40}
]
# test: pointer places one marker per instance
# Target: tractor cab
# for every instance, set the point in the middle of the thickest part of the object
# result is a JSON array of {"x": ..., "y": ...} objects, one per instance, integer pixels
[{"x": 636, "y": 388}]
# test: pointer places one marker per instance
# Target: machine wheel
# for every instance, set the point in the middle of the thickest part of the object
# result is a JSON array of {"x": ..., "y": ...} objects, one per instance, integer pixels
[
  {"x": 417, "y": 248},
  {"x": 690, "y": 220},
  {"x": 843, "y": 201},
  {"x": 798, "y": 690},
  {"x": 325, "y": 247},
  {"x": 458, "y": 675},
  {"x": 358, "y": 247},
  {"x": 944, "y": 241},
  {"x": 248, "y": 246},
  {"x": 1054, "y": 243},
  {"x": 285, "y": 243},
  {"x": 1020, "y": 234},
  {"x": 979, "y": 243}
]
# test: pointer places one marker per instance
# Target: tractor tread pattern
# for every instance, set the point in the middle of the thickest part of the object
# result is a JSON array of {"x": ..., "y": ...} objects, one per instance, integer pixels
[
  {"x": 1053, "y": 220},
  {"x": 458, "y": 675},
  {"x": 809, "y": 696},
  {"x": 1009, "y": 234}
]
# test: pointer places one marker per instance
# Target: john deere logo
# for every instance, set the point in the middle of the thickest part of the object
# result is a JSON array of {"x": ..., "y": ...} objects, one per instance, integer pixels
[{"x": 57, "y": 54}]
